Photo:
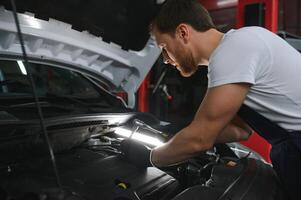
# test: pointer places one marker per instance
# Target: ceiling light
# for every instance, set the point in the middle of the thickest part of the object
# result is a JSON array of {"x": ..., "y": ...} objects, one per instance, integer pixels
[{"x": 22, "y": 67}]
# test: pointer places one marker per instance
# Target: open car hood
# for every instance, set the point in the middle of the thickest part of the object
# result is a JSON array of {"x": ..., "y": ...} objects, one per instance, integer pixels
[{"x": 108, "y": 38}]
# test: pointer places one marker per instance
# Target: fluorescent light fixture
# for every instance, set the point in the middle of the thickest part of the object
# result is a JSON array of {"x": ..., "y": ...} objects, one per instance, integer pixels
[
  {"x": 139, "y": 137},
  {"x": 22, "y": 67},
  {"x": 227, "y": 2}
]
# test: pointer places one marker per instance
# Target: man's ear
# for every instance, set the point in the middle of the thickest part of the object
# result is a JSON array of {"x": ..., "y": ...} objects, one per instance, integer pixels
[{"x": 183, "y": 32}]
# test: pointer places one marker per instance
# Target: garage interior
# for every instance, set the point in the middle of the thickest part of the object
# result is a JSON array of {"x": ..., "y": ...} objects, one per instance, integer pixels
[{"x": 70, "y": 147}]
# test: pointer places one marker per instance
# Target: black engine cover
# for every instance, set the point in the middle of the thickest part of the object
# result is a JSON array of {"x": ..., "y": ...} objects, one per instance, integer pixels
[{"x": 90, "y": 175}]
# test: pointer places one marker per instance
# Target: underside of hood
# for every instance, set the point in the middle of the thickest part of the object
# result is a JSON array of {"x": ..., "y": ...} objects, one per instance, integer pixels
[
  {"x": 124, "y": 22},
  {"x": 105, "y": 37}
]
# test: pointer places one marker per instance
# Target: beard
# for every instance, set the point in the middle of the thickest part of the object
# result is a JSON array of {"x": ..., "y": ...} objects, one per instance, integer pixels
[{"x": 187, "y": 66}]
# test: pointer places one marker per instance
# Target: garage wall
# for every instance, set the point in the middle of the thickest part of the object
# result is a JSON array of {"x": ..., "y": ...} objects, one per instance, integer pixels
[
  {"x": 223, "y": 13},
  {"x": 290, "y": 16}
]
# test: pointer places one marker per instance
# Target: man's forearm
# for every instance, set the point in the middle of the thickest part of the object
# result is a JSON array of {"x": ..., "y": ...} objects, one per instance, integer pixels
[{"x": 180, "y": 148}]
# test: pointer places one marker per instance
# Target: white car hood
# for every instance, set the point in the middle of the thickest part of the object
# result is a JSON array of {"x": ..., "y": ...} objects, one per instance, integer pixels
[{"x": 55, "y": 40}]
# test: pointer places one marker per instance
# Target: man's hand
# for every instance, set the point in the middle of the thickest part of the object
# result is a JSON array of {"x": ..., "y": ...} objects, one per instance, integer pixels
[{"x": 136, "y": 153}]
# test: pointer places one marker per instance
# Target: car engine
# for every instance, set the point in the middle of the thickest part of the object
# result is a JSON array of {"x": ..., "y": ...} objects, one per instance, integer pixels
[{"x": 91, "y": 166}]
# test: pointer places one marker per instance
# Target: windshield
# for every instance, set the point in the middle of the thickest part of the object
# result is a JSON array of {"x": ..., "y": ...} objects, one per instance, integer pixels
[
  {"x": 61, "y": 92},
  {"x": 48, "y": 80}
]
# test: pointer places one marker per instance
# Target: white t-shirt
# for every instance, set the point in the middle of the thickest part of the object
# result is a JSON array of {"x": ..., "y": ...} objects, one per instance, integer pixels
[{"x": 257, "y": 56}]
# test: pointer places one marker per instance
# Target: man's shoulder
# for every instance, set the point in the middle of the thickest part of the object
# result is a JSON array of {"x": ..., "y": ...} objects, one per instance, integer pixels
[
  {"x": 250, "y": 30},
  {"x": 246, "y": 35},
  {"x": 238, "y": 42}
]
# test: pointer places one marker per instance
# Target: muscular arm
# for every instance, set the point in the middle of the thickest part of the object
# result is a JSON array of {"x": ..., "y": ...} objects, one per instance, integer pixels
[{"x": 210, "y": 123}]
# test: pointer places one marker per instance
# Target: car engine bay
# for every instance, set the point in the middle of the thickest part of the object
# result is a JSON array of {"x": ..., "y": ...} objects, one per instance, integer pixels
[{"x": 91, "y": 166}]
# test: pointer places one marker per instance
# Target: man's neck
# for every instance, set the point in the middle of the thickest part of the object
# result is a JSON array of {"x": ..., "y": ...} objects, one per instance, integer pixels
[{"x": 205, "y": 44}]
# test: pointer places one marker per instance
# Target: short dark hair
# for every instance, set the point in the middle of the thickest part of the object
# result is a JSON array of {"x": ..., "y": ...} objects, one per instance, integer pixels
[{"x": 175, "y": 12}]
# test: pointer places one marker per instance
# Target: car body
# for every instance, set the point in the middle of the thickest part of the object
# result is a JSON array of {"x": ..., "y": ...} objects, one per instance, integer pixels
[{"x": 76, "y": 75}]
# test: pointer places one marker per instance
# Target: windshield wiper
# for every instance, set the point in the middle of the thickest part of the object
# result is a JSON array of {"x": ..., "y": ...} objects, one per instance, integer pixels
[
  {"x": 76, "y": 100},
  {"x": 66, "y": 97},
  {"x": 9, "y": 82},
  {"x": 42, "y": 104},
  {"x": 6, "y": 82}
]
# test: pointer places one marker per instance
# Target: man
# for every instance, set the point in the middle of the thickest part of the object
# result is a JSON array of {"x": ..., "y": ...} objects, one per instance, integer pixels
[{"x": 251, "y": 67}]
